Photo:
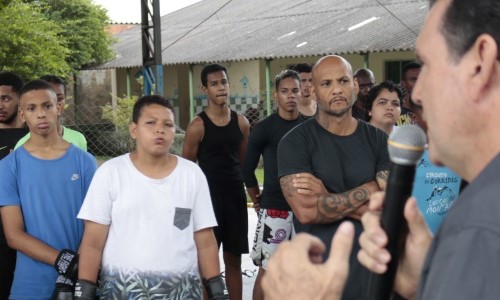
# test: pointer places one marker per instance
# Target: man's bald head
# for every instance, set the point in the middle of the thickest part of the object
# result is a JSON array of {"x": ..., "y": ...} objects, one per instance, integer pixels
[
  {"x": 332, "y": 59},
  {"x": 333, "y": 86}
]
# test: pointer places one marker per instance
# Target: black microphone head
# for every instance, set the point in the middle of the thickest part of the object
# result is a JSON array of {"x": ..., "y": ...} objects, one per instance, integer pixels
[{"x": 406, "y": 144}]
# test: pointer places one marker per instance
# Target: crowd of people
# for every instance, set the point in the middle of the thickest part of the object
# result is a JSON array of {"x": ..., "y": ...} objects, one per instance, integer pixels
[{"x": 149, "y": 224}]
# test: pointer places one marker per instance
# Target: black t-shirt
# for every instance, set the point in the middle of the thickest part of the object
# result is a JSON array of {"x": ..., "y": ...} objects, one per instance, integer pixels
[
  {"x": 264, "y": 140},
  {"x": 9, "y": 138},
  {"x": 342, "y": 163}
]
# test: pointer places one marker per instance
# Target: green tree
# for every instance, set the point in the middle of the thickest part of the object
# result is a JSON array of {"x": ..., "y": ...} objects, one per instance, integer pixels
[
  {"x": 120, "y": 116},
  {"x": 31, "y": 44},
  {"x": 84, "y": 28},
  {"x": 52, "y": 36}
]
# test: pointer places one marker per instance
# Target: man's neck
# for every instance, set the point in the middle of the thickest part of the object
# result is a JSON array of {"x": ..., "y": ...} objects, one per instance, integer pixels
[
  {"x": 407, "y": 102},
  {"x": 305, "y": 101},
  {"x": 307, "y": 107},
  {"x": 17, "y": 123},
  {"x": 287, "y": 115},
  {"x": 154, "y": 166},
  {"x": 343, "y": 125},
  {"x": 7, "y": 126},
  {"x": 220, "y": 115},
  {"x": 360, "y": 104},
  {"x": 387, "y": 128},
  {"x": 218, "y": 109},
  {"x": 48, "y": 146}
]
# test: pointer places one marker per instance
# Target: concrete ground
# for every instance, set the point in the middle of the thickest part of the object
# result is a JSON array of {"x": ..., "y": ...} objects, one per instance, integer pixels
[{"x": 247, "y": 266}]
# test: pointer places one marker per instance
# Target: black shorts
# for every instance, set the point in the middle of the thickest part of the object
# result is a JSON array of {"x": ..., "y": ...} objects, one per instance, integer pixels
[{"x": 230, "y": 207}]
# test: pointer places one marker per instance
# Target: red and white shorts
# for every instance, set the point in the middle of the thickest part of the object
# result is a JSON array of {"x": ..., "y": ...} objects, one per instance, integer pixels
[{"x": 273, "y": 227}]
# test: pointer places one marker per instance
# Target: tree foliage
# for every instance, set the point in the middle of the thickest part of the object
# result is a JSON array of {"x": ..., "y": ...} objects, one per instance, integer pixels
[
  {"x": 52, "y": 36},
  {"x": 31, "y": 45},
  {"x": 83, "y": 26}
]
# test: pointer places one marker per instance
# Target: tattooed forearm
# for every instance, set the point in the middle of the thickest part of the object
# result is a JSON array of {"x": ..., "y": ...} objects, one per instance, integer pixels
[
  {"x": 382, "y": 178},
  {"x": 325, "y": 208},
  {"x": 334, "y": 207}
]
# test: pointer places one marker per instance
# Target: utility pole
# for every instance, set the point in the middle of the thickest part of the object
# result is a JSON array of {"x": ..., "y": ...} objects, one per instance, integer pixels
[{"x": 152, "y": 67}]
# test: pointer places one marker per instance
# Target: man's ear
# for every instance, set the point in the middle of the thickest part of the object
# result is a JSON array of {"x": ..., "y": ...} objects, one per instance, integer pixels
[
  {"x": 21, "y": 114},
  {"x": 480, "y": 65},
  {"x": 132, "y": 129},
  {"x": 356, "y": 86},
  {"x": 60, "y": 108},
  {"x": 312, "y": 91}
]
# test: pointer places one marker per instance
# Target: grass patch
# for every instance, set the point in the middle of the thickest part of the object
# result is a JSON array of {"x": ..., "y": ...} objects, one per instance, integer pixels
[{"x": 259, "y": 173}]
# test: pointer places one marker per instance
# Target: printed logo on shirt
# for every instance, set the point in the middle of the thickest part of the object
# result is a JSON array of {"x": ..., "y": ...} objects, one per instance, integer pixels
[{"x": 75, "y": 177}]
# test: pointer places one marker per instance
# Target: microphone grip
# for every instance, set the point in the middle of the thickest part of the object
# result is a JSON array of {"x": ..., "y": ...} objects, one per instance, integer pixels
[{"x": 399, "y": 189}]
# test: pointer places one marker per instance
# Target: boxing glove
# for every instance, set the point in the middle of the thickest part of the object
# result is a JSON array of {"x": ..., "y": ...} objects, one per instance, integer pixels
[
  {"x": 85, "y": 290},
  {"x": 67, "y": 263},
  {"x": 216, "y": 288},
  {"x": 64, "y": 288}
]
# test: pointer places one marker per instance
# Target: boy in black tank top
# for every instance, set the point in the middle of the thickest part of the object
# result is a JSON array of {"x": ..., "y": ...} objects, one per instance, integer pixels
[{"x": 217, "y": 138}]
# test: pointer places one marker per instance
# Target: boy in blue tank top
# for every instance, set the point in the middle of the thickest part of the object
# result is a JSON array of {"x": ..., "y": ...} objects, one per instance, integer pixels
[{"x": 42, "y": 189}]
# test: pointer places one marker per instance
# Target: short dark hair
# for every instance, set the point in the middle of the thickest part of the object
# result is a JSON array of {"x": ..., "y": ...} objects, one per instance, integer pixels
[
  {"x": 301, "y": 68},
  {"x": 54, "y": 79},
  {"x": 284, "y": 75},
  {"x": 11, "y": 79},
  {"x": 208, "y": 69},
  {"x": 409, "y": 66},
  {"x": 377, "y": 89},
  {"x": 37, "y": 84},
  {"x": 148, "y": 100},
  {"x": 464, "y": 21}
]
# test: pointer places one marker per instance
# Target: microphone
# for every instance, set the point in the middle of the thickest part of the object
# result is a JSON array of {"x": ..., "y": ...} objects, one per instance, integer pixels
[{"x": 406, "y": 145}]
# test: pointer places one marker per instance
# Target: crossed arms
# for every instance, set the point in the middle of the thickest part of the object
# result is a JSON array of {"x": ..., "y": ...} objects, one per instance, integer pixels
[{"x": 313, "y": 204}]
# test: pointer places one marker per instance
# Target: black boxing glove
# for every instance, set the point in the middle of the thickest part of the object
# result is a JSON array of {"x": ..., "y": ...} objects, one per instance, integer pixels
[
  {"x": 216, "y": 288},
  {"x": 85, "y": 290},
  {"x": 67, "y": 263},
  {"x": 64, "y": 288}
]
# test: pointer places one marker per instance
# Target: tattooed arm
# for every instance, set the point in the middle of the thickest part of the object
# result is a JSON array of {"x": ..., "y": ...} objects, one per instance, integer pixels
[
  {"x": 324, "y": 207},
  {"x": 381, "y": 178}
]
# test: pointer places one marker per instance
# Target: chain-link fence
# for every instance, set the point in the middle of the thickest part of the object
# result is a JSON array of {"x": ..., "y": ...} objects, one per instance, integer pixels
[{"x": 106, "y": 130}]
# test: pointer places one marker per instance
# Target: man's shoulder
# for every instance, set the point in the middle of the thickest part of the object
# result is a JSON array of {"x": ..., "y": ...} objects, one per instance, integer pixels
[
  {"x": 305, "y": 129},
  {"x": 72, "y": 133},
  {"x": 8, "y": 161},
  {"x": 77, "y": 151},
  {"x": 267, "y": 121},
  {"x": 371, "y": 130},
  {"x": 196, "y": 124}
]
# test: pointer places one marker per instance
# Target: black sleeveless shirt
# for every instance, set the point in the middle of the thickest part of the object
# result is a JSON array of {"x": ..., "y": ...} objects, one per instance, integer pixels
[{"x": 218, "y": 153}]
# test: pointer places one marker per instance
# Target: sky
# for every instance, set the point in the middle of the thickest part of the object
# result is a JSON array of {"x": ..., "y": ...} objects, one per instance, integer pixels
[{"x": 126, "y": 11}]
